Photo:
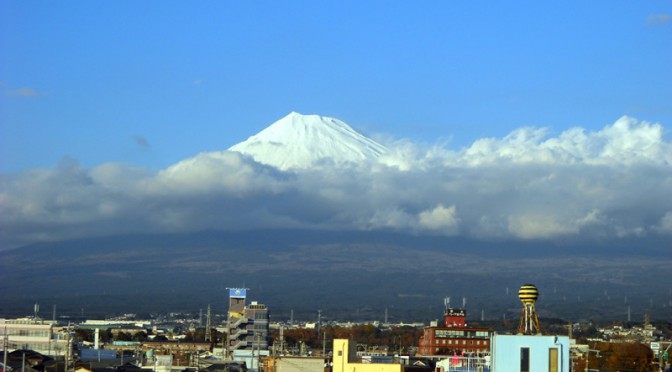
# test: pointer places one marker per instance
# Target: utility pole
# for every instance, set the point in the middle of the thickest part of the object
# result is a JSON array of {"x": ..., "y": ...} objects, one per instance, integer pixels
[
  {"x": 324, "y": 343},
  {"x": 68, "y": 349},
  {"x": 208, "y": 327},
  {"x": 257, "y": 341},
  {"x": 5, "y": 345}
]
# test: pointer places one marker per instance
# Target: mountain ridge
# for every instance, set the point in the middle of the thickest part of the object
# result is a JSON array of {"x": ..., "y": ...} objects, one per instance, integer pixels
[{"x": 304, "y": 270}]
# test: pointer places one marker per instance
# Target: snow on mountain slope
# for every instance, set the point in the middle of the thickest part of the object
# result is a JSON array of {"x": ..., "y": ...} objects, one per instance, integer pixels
[{"x": 301, "y": 141}]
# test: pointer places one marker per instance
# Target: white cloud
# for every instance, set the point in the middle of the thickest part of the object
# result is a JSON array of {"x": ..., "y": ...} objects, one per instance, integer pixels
[
  {"x": 440, "y": 218},
  {"x": 625, "y": 142},
  {"x": 544, "y": 226},
  {"x": 665, "y": 226},
  {"x": 579, "y": 184}
]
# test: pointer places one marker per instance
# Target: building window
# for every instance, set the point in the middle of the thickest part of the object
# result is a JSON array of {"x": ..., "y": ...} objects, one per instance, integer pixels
[
  {"x": 340, "y": 353},
  {"x": 552, "y": 360},
  {"x": 524, "y": 359}
]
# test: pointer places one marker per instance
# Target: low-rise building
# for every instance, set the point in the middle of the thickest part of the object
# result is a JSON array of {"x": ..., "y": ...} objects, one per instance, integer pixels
[
  {"x": 294, "y": 364},
  {"x": 344, "y": 360},
  {"x": 455, "y": 337},
  {"x": 525, "y": 353},
  {"x": 42, "y": 336}
]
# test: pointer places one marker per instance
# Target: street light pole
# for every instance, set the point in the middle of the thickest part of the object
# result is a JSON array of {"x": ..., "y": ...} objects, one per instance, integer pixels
[{"x": 5, "y": 345}]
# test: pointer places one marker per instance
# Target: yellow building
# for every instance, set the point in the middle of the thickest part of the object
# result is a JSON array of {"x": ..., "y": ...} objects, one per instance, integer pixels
[{"x": 344, "y": 360}]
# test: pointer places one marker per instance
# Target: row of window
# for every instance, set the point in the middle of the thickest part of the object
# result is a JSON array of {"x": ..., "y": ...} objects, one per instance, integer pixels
[
  {"x": 26, "y": 332},
  {"x": 47, "y": 349},
  {"x": 461, "y": 342},
  {"x": 440, "y": 333}
]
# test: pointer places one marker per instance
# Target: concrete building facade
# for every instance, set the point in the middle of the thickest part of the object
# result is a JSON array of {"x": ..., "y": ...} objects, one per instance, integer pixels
[
  {"x": 344, "y": 360},
  {"x": 247, "y": 327},
  {"x": 42, "y": 336},
  {"x": 530, "y": 353}
]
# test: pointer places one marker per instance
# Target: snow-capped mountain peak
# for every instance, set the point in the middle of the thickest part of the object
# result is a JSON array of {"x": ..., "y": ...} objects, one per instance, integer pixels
[{"x": 300, "y": 141}]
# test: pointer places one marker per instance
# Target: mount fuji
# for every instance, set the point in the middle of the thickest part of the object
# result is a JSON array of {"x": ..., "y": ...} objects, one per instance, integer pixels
[{"x": 302, "y": 141}]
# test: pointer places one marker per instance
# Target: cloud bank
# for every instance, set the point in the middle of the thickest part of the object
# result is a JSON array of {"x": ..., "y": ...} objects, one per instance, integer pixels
[{"x": 577, "y": 185}]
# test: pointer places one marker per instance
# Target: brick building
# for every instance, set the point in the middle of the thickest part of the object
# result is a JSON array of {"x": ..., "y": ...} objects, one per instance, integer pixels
[{"x": 454, "y": 337}]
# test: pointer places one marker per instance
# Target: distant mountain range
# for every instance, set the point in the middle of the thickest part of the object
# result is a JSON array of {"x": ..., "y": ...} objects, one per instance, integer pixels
[{"x": 348, "y": 275}]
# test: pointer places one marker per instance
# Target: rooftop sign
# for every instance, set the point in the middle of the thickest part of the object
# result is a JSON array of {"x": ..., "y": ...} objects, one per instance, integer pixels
[{"x": 237, "y": 292}]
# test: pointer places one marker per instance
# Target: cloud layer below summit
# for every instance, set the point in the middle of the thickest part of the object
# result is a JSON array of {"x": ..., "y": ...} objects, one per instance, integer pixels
[{"x": 576, "y": 185}]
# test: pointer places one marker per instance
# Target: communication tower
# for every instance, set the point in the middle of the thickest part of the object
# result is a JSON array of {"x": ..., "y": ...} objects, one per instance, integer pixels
[{"x": 529, "y": 323}]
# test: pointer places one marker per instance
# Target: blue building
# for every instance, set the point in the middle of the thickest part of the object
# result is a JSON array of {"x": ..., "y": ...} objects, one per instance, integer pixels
[{"x": 529, "y": 353}]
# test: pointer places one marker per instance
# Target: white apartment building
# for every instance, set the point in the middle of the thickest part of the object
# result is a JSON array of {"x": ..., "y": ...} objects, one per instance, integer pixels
[{"x": 42, "y": 336}]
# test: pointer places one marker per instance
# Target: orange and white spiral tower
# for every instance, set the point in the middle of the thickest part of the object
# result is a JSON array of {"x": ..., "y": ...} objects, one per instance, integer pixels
[{"x": 529, "y": 323}]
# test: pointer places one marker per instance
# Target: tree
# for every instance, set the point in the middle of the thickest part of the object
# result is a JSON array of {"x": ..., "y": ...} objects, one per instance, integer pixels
[
  {"x": 625, "y": 356},
  {"x": 140, "y": 336}
]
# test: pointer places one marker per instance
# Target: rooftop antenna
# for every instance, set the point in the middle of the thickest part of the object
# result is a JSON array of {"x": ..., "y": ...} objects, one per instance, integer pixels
[
  {"x": 446, "y": 303},
  {"x": 36, "y": 310},
  {"x": 529, "y": 323},
  {"x": 464, "y": 302}
]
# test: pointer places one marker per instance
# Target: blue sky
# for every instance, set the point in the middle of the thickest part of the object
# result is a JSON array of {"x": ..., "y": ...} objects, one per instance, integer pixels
[{"x": 151, "y": 83}]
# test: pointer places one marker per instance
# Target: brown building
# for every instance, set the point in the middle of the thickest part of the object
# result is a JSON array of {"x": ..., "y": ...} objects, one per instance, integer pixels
[{"x": 455, "y": 337}]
